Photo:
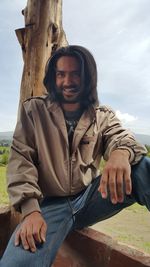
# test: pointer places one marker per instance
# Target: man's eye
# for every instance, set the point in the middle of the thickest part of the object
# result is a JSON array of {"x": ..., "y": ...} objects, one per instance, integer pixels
[
  {"x": 76, "y": 74},
  {"x": 59, "y": 74}
]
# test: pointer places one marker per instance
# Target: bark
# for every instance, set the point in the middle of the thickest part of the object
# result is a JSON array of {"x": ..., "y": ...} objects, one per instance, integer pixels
[{"x": 43, "y": 33}]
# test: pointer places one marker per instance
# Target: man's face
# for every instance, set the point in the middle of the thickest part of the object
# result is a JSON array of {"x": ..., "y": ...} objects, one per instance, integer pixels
[{"x": 68, "y": 79}]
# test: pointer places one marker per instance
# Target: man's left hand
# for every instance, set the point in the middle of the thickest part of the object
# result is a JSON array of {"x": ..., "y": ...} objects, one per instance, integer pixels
[{"x": 116, "y": 176}]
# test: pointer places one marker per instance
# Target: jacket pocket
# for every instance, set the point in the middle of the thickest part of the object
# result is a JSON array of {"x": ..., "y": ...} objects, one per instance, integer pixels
[{"x": 87, "y": 146}]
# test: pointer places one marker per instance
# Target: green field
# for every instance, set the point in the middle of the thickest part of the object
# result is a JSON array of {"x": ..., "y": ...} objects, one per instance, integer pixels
[
  {"x": 3, "y": 193},
  {"x": 130, "y": 226}
]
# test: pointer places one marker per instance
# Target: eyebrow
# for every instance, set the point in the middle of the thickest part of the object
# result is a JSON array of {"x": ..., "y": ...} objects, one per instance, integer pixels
[{"x": 62, "y": 71}]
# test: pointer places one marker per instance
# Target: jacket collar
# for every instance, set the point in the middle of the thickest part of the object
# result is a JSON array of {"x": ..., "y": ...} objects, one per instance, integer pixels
[{"x": 88, "y": 117}]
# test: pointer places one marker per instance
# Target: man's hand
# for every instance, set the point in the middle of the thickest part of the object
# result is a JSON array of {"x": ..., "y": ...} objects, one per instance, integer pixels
[
  {"x": 116, "y": 176},
  {"x": 32, "y": 230}
]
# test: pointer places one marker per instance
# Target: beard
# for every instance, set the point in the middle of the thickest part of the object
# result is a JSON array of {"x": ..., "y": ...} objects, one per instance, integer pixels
[{"x": 74, "y": 89}]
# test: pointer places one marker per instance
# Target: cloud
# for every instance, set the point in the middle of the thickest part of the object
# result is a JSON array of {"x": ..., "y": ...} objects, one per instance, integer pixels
[
  {"x": 136, "y": 124},
  {"x": 116, "y": 32},
  {"x": 126, "y": 117}
]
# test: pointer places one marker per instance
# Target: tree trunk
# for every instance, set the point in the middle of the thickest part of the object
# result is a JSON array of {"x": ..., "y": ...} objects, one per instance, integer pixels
[{"x": 43, "y": 33}]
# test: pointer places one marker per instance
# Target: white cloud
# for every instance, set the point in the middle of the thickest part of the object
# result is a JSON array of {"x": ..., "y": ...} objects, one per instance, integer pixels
[
  {"x": 125, "y": 117},
  {"x": 136, "y": 124}
]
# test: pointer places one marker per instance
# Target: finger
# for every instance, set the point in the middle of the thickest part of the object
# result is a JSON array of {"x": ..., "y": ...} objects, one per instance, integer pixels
[
  {"x": 23, "y": 239},
  {"x": 30, "y": 239},
  {"x": 119, "y": 186},
  {"x": 36, "y": 233},
  {"x": 39, "y": 233},
  {"x": 43, "y": 232},
  {"x": 104, "y": 184},
  {"x": 128, "y": 182},
  {"x": 17, "y": 238},
  {"x": 112, "y": 187}
]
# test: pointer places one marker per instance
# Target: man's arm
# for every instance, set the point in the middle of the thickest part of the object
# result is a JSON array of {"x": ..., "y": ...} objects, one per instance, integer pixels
[
  {"x": 115, "y": 137},
  {"x": 120, "y": 151},
  {"x": 22, "y": 173},
  {"x": 116, "y": 176},
  {"x": 22, "y": 176}
]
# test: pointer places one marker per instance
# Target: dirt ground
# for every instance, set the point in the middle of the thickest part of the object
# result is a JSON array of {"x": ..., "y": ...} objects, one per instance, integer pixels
[{"x": 130, "y": 226}]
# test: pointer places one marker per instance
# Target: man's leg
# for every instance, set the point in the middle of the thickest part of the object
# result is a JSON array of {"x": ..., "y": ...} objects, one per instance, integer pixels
[
  {"x": 58, "y": 216},
  {"x": 97, "y": 209},
  {"x": 141, "y": 182}
]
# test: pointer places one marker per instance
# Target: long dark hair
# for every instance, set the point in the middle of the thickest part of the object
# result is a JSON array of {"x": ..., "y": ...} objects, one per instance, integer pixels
[{"x": 88, "y": 73}]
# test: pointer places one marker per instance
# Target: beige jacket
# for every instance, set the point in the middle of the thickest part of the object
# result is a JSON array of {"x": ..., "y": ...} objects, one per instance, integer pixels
[{"x": 40, "y": 164}]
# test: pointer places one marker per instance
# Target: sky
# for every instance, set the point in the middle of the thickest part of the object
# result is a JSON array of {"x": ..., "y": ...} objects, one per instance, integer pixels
[{"x": 117, "y": 32}]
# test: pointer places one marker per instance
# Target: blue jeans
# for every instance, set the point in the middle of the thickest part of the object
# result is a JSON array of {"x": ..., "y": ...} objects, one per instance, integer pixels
[{"x": 65, "y": 214}]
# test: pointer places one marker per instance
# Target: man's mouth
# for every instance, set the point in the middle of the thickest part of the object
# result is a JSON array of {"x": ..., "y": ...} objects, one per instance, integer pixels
[
  {"x": 71, "y": 89},
  {"x": 71, "y": 93}
]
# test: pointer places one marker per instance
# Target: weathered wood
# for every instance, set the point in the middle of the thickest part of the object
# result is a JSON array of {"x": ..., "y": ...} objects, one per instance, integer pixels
[
  {"x": 8, "y": 221},
  {"x": 42, "y": 34}
]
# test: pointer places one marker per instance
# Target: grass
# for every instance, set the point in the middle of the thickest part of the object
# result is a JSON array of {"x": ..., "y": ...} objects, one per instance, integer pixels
[
  {"x": 3, "y": 192},
  {"x": 130, "y": 226}
]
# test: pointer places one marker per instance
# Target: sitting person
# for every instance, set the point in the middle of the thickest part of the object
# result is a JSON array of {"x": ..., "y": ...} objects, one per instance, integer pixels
[{"x": 53, "y": 171}]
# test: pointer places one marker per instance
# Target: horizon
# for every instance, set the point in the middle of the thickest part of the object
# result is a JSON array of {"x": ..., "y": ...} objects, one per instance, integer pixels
[
  {"x": 141, "y": 138},
  {"x": 11, "y": 131}
]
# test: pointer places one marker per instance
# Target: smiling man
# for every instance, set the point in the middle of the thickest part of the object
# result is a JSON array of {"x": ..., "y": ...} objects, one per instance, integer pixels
[
  {"x": 68, "y": 81},
  {"x": 53, "y": 171}
]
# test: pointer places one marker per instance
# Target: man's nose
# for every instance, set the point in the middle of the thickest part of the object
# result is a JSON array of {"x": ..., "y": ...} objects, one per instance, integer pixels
[{"x": 67, "y": 80}]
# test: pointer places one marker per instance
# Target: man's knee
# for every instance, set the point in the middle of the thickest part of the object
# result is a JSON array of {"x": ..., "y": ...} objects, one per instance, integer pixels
[{"x": 141, "y": 181}]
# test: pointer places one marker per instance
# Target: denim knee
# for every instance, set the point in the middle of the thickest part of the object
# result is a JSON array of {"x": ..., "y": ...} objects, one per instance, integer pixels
[{"x": 141, "y": 181}]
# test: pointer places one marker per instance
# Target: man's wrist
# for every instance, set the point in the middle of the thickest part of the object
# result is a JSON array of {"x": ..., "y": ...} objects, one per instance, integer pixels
[
  {"x": 124, "y": 152},
  {"x": 29, "y": 206}
]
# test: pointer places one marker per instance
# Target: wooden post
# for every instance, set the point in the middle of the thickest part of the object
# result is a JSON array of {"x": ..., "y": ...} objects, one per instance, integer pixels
[{"x": 42, "y": 34}]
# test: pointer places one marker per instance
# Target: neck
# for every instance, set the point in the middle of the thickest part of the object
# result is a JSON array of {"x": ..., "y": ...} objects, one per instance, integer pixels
[{"x": 71, "y": 106}]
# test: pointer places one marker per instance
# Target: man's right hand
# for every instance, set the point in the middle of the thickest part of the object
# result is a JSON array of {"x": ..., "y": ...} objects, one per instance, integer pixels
[{"x": 32, "y": 230}]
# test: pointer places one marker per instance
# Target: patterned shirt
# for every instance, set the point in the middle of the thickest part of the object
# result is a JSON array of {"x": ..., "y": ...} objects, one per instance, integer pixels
[{"x": 72, "y": 118}]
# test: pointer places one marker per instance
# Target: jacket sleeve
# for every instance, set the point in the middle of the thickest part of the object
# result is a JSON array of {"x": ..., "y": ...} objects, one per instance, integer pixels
[
  {"x": 116, "y": 137},
  {"x": 22, "y": 174}
]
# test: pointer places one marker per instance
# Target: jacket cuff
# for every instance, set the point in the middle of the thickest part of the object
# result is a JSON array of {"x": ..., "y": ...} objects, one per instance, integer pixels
[
  {"x": 132, "y": 154},
  {"x": 30, "y": 206}
]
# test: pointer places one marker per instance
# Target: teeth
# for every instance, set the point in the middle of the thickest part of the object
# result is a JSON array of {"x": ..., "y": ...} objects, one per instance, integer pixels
[{"x": 69, "y": 90}]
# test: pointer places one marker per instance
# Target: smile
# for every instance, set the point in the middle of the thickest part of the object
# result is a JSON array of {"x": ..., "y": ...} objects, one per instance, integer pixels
[{"x": 71, "y": 90}]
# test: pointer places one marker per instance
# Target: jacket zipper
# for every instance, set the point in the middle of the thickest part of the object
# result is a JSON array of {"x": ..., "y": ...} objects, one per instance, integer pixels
[{"x": 70, "y": 172}]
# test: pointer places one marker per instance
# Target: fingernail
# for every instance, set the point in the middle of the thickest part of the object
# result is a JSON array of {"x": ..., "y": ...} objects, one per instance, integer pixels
[
  {"x": 104, "y": 195},
  {"x": 114, "y": 201},
  {"x": 43, "y": 239}
]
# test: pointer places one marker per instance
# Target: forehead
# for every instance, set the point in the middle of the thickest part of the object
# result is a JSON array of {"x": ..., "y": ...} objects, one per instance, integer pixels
[{"x": 68, "y": 63}]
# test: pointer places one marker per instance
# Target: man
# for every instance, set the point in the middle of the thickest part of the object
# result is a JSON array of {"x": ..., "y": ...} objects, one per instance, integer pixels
[{"x": 53, "y": 171}]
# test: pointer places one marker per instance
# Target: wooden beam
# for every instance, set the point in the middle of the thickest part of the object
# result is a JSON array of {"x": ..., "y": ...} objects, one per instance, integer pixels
[{"x": 43, "y": 33}]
